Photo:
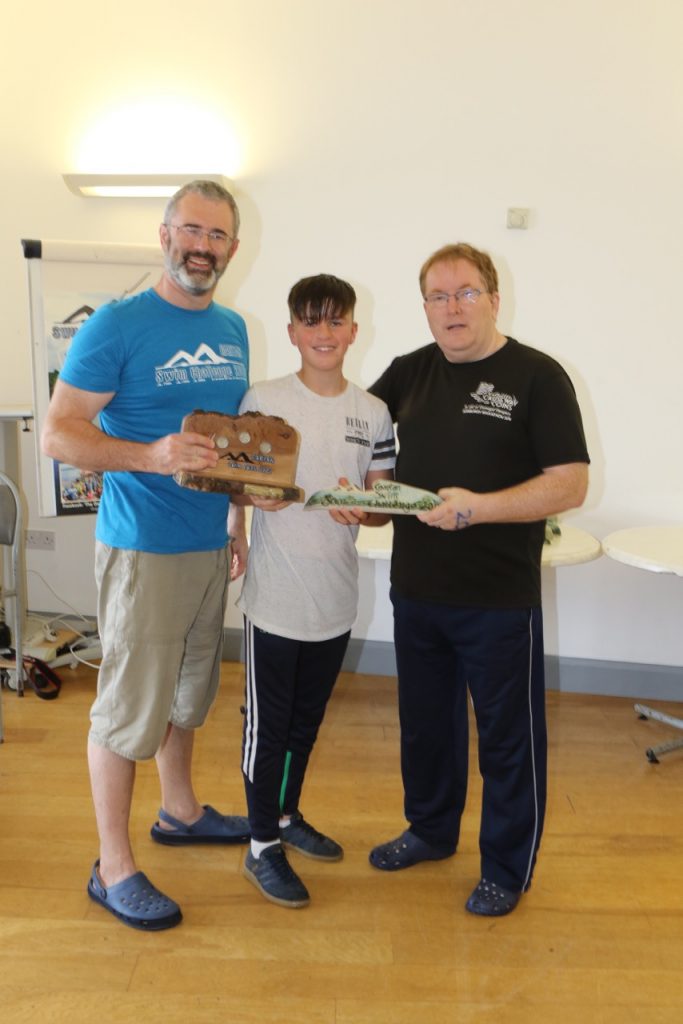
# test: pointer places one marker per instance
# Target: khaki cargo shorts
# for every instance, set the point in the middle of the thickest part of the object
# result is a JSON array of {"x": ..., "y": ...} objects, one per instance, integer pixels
[{"x": 160, "y": 620}]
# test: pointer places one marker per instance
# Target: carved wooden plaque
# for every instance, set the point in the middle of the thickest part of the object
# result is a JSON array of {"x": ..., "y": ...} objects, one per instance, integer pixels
[{"x": 257, "y": 454}]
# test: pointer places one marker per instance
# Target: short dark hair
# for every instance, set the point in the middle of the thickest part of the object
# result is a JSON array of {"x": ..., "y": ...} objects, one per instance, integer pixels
[
  {"x": 462, "y": 251},
  {"x": 209, "y": 190},
  {"x": 321, "y": 297}
]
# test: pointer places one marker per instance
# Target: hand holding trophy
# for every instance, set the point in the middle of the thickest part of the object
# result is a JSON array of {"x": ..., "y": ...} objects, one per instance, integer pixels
[{"x": 257, "y": 455}]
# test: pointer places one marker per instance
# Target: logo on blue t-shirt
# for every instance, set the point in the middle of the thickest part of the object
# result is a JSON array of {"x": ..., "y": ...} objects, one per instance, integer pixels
[{"x": 205, "y": 364}]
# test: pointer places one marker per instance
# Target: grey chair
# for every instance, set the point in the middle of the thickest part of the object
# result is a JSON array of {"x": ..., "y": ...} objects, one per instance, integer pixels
[{"x": 11, "y": 534}]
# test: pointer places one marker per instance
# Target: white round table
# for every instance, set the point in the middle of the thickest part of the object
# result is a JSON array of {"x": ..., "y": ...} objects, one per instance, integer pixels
[
  {"x": 655, "y": 549},
  {"x": 570, "y": 548}
]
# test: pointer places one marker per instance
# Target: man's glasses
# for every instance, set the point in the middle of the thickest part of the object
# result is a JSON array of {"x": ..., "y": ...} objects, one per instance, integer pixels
[
  {"x": 440, "y": 299},
  {"x": 193, "y": 233}
]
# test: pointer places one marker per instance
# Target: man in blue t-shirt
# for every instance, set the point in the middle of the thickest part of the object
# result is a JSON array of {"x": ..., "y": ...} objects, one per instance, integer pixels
[{"x": 163, "y": 556}]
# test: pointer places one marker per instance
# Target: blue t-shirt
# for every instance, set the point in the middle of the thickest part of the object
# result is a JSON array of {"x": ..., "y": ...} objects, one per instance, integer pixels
[{"x": 162, "y": 362}]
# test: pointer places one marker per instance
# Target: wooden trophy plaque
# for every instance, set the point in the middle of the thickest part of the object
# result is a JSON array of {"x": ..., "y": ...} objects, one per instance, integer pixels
[{"x": 257, "y": 455}]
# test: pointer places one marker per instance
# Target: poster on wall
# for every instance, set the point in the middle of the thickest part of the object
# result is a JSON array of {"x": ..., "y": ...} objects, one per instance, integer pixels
[{"x": 67, "y": 282}]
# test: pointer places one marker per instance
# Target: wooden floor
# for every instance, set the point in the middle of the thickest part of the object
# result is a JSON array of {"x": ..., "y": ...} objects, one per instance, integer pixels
[{"x": 598, "y": 939}]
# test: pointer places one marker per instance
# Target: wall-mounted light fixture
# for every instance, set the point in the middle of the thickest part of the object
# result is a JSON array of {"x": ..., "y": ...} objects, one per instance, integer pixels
[{"x": 135, "y": 186}]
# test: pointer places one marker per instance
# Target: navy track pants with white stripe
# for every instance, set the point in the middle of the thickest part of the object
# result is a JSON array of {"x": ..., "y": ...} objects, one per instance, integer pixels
[
  {"x": 441, "y": 652},
  {"x": 288, "y": 685}
]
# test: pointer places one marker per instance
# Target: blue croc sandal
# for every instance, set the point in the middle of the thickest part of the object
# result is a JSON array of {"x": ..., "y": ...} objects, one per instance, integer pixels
[
  {"x": 135, "y": 901},
  {"x": 404, "y": 851},
  {"x": 491, "y": 900},
  {"x": 212, "y": 827}
]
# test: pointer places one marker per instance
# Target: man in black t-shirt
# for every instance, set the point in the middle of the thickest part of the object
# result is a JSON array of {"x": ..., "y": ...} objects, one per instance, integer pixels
[{"x": 494, "y": 427}]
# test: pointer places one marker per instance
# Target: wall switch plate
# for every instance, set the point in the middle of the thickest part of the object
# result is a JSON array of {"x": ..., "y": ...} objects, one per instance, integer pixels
[{"x": 518, "y": 217}]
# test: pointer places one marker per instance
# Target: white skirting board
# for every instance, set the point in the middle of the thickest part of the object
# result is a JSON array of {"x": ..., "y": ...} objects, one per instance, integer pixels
[{"x": 569, "y": 675}]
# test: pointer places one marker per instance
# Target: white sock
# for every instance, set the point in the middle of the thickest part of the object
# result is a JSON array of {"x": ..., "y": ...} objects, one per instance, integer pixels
[
  {"x": 258, "y": 848},
  {"x": 284, "y": 822}
]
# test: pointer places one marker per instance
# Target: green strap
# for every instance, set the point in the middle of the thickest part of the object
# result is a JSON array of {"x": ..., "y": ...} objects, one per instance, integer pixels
[{"x": 285, "y": 776}]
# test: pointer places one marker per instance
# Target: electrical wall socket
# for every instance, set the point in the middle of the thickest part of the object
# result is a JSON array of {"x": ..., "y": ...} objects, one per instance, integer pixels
[{"x": 41, "y": 540}]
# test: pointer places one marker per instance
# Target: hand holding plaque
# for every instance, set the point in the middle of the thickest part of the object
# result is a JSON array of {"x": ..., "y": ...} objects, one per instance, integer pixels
[{"x": 257, "y": 455}]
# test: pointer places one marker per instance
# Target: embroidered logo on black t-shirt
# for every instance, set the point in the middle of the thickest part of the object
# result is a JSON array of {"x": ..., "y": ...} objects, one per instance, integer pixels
[{"x": 489, "y": 402}]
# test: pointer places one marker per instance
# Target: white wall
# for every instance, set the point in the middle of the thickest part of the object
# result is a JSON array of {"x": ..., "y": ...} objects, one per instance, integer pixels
[{"x": 371, "y": 132}]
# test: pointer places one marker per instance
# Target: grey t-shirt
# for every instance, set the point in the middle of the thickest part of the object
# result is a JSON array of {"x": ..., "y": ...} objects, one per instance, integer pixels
[{"x": 302, "y": 574}]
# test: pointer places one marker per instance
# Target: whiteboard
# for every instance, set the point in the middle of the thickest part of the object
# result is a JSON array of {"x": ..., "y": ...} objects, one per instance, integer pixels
[{"x": 67, "y": 282}]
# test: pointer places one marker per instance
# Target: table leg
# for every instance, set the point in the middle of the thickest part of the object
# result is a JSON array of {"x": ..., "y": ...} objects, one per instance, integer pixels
[{"x": 659, "y": 716}]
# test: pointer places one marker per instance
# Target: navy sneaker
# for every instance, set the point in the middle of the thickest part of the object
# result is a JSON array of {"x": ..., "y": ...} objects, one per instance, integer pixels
[
  {"x": 303, "y": 838},
  {"x": 491, "y": 900},
  {"x": 273, "y": 876}
]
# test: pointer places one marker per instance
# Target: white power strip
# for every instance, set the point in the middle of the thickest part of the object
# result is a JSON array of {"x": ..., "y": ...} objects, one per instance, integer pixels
[
  {"x": 44, "y": 650},
  {"x": 92, "y": 653},
  {"x": 45, "y": 644}
]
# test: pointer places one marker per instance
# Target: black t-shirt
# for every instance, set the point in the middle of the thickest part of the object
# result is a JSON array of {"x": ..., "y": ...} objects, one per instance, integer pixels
[{"x": 484, "y": 426}]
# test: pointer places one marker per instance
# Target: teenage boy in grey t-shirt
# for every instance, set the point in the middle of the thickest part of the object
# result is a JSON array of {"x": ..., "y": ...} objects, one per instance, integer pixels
[{"x": 301, "y": 589}]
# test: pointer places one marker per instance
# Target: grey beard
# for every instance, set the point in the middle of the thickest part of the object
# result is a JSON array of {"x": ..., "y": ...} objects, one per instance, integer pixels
[{"x": 188, "y": 282}]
